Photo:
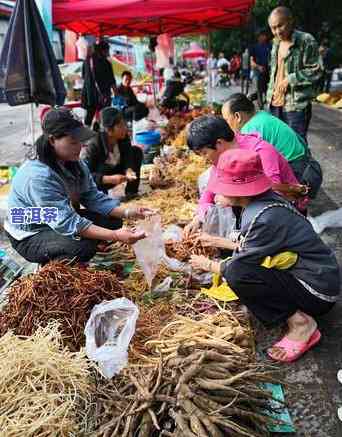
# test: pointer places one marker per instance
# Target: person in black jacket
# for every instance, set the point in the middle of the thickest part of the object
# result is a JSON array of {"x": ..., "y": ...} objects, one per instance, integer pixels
[
  {"x": 110, "y": 156},
  {"x": 173, "y": 89},
  {"x": 99, "y": 81},
  {"x": 126, "y": 92}
]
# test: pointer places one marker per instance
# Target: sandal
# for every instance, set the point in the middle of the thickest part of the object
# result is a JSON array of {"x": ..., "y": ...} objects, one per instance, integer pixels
[{"x": 295, "y": 349}]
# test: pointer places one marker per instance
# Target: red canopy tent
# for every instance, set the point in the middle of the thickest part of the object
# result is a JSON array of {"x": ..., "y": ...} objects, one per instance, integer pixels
[
  {"x": 149, "y": 17},
  {"x": 194, "y": 52}
]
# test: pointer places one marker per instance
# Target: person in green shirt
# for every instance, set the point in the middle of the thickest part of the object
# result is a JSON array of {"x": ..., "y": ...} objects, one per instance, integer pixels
[{"x": 240, "y": 114}]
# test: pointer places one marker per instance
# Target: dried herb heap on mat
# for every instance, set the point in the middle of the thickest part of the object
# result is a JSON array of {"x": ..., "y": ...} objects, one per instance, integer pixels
[
  {"x": 43, "y": 386},
  {"x": 58, "y": 292},
  {"x": 182, "y": 250},
  {"x": 177, "y": 203},
  {"x": 205, "y": 383},
  {"x": 149, "y": 324},
  {"x": 171, "y": 205}
]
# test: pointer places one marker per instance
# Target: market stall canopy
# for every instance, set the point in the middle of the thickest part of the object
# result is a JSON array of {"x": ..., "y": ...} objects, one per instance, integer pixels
[
  {"x": 194, "y": 52},
  {"x": 28, "y": 68},
  {"x": 149, "y": 17}
]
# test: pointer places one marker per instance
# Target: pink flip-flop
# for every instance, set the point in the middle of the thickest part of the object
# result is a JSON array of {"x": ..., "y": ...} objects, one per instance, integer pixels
[{"x": 295, "y": 349}]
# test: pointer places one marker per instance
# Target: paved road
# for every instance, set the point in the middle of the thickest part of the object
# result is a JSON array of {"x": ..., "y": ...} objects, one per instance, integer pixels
[
  {"x": 315, "y": 394},
  {"x": 14, "y": 131}
]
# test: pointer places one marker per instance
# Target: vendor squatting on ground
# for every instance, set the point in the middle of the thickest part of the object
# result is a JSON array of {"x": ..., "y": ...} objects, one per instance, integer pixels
[
  {"x": 269, "y": 225},
  {"x": 58, "y": 179}
]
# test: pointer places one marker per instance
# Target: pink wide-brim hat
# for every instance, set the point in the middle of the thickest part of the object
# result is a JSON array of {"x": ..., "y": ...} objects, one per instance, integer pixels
[{"x": 239, "y": 173}]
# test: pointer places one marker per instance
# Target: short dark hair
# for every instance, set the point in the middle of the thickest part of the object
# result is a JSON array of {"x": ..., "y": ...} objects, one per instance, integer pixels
[
  {"x": 110, "y": 117},
  {"x": 238, "y": 102},
  {"x": 103, "y": 45},
  {"x": 206, "y": 130},
  {"x": 127, "y": 73}
]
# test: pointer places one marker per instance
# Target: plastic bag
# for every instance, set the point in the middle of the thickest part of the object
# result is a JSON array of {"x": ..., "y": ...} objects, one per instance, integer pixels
[
  {"x": 329, "y": 219},
  {"x": 203, "y": 180},
  {"x": 219, "y": 221},
  {"x": 151, "y": 250},
  {"x": 108, "y": 332},
  {"x": 163, "y": 288},
  {"x": 173, "y": 233},
  {"x": 175, "y": 265}
]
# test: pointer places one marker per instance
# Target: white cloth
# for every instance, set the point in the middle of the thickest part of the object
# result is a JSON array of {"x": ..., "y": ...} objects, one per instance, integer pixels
[
  {"x": 168, "y": 73},
  {"x": 82, "y": 48},
  {"x": 114, "y": 157},
  {"x": 245, "y": 60},
  {"x": 221, "y": 62},
  {"x": 212, "y": 63}
]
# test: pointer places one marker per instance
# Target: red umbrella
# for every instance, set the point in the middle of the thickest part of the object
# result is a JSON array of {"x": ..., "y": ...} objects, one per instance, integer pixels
[
  {"x": 149, "y": 17},
  {"x": 194, "y": 52}
]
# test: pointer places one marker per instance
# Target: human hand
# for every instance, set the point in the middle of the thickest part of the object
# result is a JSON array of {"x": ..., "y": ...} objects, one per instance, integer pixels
[
  {"x": 131, "y": 175},
  {"x": 200, "y": 262},
  {"x": 117, "y": 179},
  {"x": 192, "y": 227},
  {"x": 208, "y": 240},
  {"x": 141, "y": 212},
  {"x": 283, "y": 85},
  {"x": 128, "y": 236}
]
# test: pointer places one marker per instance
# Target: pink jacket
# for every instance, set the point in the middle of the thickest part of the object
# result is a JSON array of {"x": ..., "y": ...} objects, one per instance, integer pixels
[{"x": 275, "y": 166}]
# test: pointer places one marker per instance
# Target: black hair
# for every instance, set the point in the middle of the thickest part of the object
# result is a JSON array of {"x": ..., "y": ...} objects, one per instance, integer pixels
[
  {"x": 206, "y": 130},
  {"x": 103, "y": 45},
  {"x": 110, "y": 117},
  {"x": 238, "y": 102},
  {"x": 140, "y": 111},
  {"x": 45, "y": 153},
  {"x": 126, "y": 73}
]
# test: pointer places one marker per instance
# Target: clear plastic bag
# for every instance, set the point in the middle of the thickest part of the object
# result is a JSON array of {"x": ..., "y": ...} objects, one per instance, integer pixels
[
  {"x": 108, "y": 332},
  {"x": 329, "y": 219},
  {"x": 203, "y": 180},
  {"x": 173, "y": 233},
  {"x": 151, "y": 250},
  {"x": 219, "y": 221},
  {"x": 183, "y": 267}
]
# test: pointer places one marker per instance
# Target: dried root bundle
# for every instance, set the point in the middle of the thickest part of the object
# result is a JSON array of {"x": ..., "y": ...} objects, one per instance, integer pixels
[
  {"x": 205, "y": 383},
  {"x": 58, "y": 292},
  {"x": 43, "y": 386},
  {"x": 182, "y": 250}
]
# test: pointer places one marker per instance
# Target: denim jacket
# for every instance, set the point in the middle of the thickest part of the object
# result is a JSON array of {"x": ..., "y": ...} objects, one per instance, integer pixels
[
  {"x": 303, "y": 69},
  {"x": 37, "y": 185}
]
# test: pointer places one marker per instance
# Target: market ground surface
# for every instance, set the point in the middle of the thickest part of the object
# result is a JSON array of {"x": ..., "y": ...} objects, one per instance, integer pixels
[{"x": 315, "y": 394}]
